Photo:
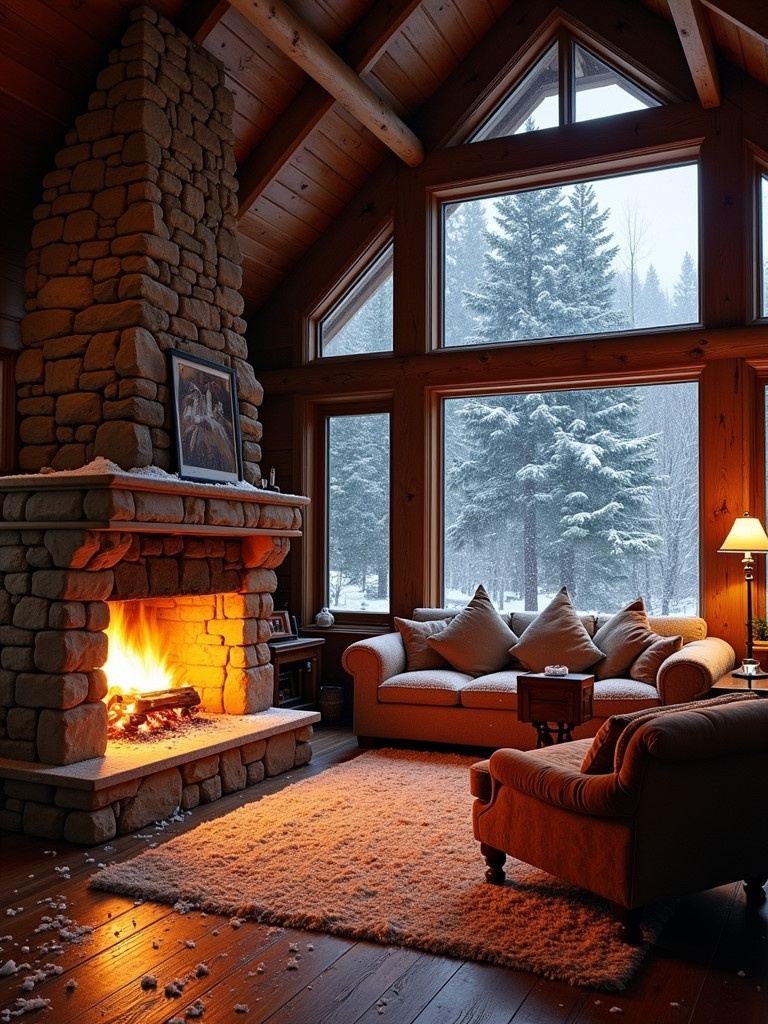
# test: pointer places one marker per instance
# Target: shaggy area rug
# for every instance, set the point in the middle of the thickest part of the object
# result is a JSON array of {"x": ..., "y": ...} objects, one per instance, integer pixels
[{"x": 381, "y": 848}]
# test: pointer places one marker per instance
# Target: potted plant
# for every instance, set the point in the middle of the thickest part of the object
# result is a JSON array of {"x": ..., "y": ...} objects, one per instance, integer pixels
[{"x": 760, "y": 640}]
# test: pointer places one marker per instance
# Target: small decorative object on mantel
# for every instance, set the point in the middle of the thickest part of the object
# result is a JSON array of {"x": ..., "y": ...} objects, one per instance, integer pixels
[
  {"x": 324, "y": 618},
  {"x": 555, "y": 670},
  {"x": 272, "y": 486}
]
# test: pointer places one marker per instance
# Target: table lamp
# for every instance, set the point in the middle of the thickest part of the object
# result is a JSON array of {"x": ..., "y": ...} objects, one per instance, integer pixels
[{"x": 746, "y": 536}]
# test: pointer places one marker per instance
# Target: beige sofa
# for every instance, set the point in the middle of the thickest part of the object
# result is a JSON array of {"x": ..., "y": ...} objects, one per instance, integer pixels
[
  {"x": 393, "y": 700},
  {"x": 654, "y": 807}
]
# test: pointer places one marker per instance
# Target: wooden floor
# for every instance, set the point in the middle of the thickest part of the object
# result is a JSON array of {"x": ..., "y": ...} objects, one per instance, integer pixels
[{"x": 710, "y": 966}]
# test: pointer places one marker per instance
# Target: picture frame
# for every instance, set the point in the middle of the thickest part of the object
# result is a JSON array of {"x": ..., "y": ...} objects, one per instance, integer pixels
[
  {"x": 280, "y": 625},
  {"x": 206, "y": 419}
]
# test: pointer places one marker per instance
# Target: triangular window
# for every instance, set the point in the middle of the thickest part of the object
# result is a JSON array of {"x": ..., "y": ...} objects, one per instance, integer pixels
[
  {"x": 600, "y": 90},
  {"x": 567, "y": 84},
  {"x": 361, "y": 320},
  {"x": 533, "y": 103}
]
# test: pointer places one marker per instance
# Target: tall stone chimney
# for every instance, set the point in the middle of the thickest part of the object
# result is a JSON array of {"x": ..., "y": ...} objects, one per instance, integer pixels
[{"x": 134, "y": 253}]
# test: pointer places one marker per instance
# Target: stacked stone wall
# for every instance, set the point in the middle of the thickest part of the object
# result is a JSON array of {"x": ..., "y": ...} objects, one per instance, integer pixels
[{"x": 134, "y": 253}]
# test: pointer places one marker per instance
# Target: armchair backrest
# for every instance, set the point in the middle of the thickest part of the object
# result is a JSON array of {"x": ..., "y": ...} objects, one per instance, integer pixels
[{"x": 708, "y": 730}]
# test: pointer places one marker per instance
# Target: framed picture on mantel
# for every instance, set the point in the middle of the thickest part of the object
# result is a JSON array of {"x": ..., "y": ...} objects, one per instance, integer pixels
[{"x": 206, "y": 419}]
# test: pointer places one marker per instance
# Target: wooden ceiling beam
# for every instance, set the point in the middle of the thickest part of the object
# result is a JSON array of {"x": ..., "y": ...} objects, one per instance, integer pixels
[
  {"x": 361, "y": 50},
  {"x": 747, "y": 15},
  {"x": 280, "y": 25},
  {"x": 696, "y": 39}
]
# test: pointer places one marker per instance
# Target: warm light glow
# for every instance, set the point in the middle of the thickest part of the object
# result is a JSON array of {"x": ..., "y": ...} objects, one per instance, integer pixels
[
  {"x": 746, "y": 536},
  {"x": 136, "y": 662}
]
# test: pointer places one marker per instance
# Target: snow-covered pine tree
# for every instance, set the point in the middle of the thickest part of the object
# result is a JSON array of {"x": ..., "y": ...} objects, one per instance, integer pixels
[
  {"x": 358, "y": 496},
  {"x": 685, "y": 297}
]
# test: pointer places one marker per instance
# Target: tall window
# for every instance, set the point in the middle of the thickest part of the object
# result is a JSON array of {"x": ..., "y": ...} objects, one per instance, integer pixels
[
  {"x": 357, "y": 495},
  {"x": 604, "y": 256},
  {"x": 763, "y": 274},
  {"x": 361, "y": 321},
  {"x": 596, "y": 490}
]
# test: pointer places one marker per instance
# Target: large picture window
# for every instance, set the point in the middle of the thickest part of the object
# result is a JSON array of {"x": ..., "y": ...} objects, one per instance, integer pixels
[
  {"x": 593, "y": 489},
  {"x": 357, "y": 498},
  {"x": 610, "y": 255}
]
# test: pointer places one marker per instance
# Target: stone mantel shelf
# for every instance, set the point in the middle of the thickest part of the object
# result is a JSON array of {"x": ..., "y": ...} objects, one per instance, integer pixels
[
  {"x": 169, "y": 504},
  {"x": 155, "y": 484},
  {"x": 186, "y": 529}
]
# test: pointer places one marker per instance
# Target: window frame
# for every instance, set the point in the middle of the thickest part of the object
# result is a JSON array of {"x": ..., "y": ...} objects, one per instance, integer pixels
[
  {"x": 547, "y": 177},
  {"x": 316, "y": 535}
]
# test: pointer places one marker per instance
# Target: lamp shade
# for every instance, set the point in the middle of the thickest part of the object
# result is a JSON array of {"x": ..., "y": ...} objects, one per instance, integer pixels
[{"x": 745, "y": 536}]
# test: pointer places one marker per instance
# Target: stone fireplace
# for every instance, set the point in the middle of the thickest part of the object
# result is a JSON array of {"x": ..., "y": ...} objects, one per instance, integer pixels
[{"x": 134, "y": 255}]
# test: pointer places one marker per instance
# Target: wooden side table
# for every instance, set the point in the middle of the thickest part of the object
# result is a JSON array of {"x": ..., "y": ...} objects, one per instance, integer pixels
[
  {"x": 542, "y": 699},
  {"x": 738, "y": 682},
  {"x": 297, "y": 667}
]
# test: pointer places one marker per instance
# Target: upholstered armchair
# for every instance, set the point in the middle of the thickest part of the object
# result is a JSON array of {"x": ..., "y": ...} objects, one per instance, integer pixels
[{"x": 661, "y": 803}]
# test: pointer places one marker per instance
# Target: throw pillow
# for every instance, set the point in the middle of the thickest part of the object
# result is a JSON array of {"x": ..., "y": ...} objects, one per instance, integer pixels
[
  {"x": 477, "y": 640},
  {"x": 418, "y": 653},
  {"x": 623, "y": 637},
  {"x": 556, "y": 636},
  {"x": 607, "y": 750},
  {"x": 645, "y": 668}
]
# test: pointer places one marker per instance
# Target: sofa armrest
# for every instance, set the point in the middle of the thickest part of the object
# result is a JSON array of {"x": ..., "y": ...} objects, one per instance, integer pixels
[
  {"x": 690, "y": 673},
  {"x": 374, "y": 659}
]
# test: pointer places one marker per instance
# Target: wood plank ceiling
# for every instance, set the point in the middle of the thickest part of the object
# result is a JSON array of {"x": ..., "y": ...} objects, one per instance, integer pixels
[{"x": 301, "y": 154}]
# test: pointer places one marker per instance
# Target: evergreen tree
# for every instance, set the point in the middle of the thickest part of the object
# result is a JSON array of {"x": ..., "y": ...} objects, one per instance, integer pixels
[
  {"x": 547, "y": 269},
  {"x": 652, "y": 305},
  {"x": 564, "y": 481},
  {"x": 600, "y": 513},
  {"x": 589, "y": 257},
  {"x": 493, "y": 484},
  {"x": 526, "y": 242},
  {"x": 685, "y": 298},
  {"x": 358, "y": 497},
  {"x": 464, "y": 246}
]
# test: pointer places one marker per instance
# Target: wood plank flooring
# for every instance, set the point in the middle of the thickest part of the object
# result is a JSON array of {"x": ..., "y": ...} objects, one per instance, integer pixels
[{"x": 709, "y": 967}]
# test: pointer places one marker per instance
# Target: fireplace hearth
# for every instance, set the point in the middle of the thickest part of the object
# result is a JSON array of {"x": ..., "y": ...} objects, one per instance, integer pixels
[{"x": 202, "y": 557}]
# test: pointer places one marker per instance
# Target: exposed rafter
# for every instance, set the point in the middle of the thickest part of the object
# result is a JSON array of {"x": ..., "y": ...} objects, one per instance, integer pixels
[
  {"x": 692, "y": 27},
  {"x": 361, "y": 50},
  {"x": 281, "y": 26}
]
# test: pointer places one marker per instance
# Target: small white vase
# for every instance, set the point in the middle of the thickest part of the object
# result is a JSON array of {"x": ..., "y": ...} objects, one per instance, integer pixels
[{"x": 324, "y": 618}]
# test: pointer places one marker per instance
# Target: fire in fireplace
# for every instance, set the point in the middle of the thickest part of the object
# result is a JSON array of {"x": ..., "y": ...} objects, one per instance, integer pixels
[{"x": 146, "y": 693}]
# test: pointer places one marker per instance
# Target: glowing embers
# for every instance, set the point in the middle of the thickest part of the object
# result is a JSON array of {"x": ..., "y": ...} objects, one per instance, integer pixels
[{"x": 142, "y": 697}]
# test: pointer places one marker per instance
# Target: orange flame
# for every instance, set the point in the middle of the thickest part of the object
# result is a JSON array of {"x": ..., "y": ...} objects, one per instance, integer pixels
[{"x": 136, "y": 662}]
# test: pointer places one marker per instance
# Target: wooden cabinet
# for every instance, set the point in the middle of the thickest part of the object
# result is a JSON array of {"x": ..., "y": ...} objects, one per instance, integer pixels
[{"x": 297, "y": 667}]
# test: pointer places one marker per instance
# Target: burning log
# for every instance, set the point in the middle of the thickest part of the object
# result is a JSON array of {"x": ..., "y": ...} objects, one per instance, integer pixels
[
  {"x": 180, "y": 697},
  {"x": 133, "y": 714}
]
